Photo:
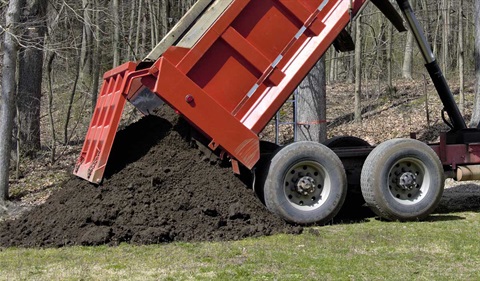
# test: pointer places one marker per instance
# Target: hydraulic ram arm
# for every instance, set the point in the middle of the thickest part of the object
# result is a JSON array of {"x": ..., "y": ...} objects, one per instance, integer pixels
[
  {"x": 389, "y": 11},
  {"x": 432, "y": 66}
]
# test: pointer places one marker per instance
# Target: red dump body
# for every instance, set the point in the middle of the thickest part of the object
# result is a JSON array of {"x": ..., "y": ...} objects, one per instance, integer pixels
[{"x": 230, "y": 82}]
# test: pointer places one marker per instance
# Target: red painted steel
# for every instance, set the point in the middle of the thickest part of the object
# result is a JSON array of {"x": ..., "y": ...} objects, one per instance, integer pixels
[
  {"x": 457, "y": 154},
  {"x": 232, "y": 81},
  {"x": 104, "y": 124}
]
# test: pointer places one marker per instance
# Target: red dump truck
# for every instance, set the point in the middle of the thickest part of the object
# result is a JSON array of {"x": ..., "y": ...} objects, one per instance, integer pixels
[{"x": 229, "y": 65}]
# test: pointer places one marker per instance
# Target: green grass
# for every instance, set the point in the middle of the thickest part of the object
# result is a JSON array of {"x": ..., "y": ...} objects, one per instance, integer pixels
[{"x": 444, "y": 248}]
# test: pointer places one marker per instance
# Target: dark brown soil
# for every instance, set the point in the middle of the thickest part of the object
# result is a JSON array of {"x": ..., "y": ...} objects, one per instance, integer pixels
[{"x": 157, "y": 189}]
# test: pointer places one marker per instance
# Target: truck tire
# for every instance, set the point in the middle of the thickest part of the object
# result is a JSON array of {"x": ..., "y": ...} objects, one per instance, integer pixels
[
  {"x": 267, "y": 150},
  {"x": 345, "y": 141},
  {"x": 402, "y": 179},
  {"x": 305, "y": 183},
  {"x": 353, "y": 169}
]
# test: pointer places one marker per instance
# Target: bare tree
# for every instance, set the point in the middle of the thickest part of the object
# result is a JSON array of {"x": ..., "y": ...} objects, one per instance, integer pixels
[
  {"x": 445, "y": 34},
  {"x": 53, "y": 142},
  {"x": 87, "y": 46},
  {"x": 351, "y": 59},
  {"x": 30, "y": 75},
  {"x": 461, "y": 66},
  {"x": 139, "y": 25},
  {"x": 116, "y": 33},
  {"x": 476, "y": 108},
  {"x": 165, "y": 16},
  {"x": 97, "y": 52},
  {"x": 389, "y": 57},
  {"x": 131, "y": 51},
  {"x": 358, "y": 70},
  {"x": 7, "y": 99},
  {"x": 408, "y": 58},
  {"x": 312, "y": 104}
]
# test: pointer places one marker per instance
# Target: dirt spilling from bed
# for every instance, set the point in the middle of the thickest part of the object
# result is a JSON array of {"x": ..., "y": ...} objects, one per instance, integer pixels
[{"x": 157, "y": 189}]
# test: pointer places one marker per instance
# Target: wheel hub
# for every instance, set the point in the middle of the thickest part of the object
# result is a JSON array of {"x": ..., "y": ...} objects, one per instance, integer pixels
[
  {"x": 407, "y": 181},
  {"x": 306, "y": 185}
]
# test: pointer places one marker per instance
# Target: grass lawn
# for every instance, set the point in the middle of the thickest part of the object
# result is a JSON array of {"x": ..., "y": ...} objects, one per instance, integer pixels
[{"x": 446, "y": 247}]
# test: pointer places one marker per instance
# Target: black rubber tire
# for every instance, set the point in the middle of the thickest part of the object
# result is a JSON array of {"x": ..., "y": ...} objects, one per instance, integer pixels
[
  {"x": 353, "y": 169},
  {"x": 267, "y": 151},
  {"x": 294, "y": 163},
  {"x": 345, "y": 141},
  {"x": 390, "y": 163},
  {"x": 268, "y": 147}
]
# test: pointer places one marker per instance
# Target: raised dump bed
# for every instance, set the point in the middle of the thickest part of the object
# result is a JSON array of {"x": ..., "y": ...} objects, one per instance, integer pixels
[{"x": 227, "y": 67}]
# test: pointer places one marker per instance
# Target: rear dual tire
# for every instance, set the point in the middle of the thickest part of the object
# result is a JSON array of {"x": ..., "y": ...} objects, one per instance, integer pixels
[
  {"x": 353, "y": 169},
  {"x": 402, "y": 179},
  {"x": 305, "y": 183}
]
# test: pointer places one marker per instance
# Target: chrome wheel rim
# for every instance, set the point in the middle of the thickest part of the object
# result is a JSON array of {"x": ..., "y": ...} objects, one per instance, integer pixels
[
  {"x": 306, "y": 185},
  {"x": 408, "y": 181}
]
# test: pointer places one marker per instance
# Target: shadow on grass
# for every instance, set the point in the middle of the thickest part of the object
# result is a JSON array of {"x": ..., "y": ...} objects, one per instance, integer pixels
[
  {"x": 353, "y": 215},
  {"x": 439, "y": 218},
  {"x": 464, "y": 197}
]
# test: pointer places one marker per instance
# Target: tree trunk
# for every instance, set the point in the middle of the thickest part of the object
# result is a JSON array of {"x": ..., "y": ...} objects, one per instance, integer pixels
[
  {"x": 389, "y": 57},
  {"x": 351, "y": 59},
  {"x": 311, "y": 103},
  {"x": 331, "y": 76},
  {"x": 358, "y": 70},
  {"x": 97, "y": 54},
  {"x": 139, "y": 24},
  {"x": 53, "y": 142},
  {"x": 437, "y": 27},
  {"x": 116, "y": 33},
  {"x": 30, "y": 76},
  {"x": 87, "y": 46},
  {"x": 165, "y": 16},
  {"x": 445, "y": 35},
  {"x": 461, "y": 57},
  {"x": 151, "y": 15},
  {"x": 131, "y": 51},
  {"x": 144, "y": 43},
  {"x": 408, "y": 58},
  {"x": 158, "y": 29},
  {"x": 468, "y": 48},
  {"x": 381, "y": 51},
  {"x": 7, "y": 99},
  {"x": 476, "y": 108},
  {"x": 70, "y": 106}
]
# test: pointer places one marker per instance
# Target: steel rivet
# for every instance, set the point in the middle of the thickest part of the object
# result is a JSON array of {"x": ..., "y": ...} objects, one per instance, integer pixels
[{"x": 189, "y": 99}]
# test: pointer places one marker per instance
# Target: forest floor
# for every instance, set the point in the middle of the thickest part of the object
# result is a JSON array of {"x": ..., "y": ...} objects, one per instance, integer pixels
[{"x": 385, "y": 116}]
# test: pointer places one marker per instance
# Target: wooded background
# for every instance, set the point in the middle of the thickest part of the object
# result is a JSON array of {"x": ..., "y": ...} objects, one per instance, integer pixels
[{"x": 55, "y": 52}]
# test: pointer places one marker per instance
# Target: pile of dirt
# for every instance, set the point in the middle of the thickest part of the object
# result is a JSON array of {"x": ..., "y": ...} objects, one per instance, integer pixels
[{"x": 157, "y": 189}]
